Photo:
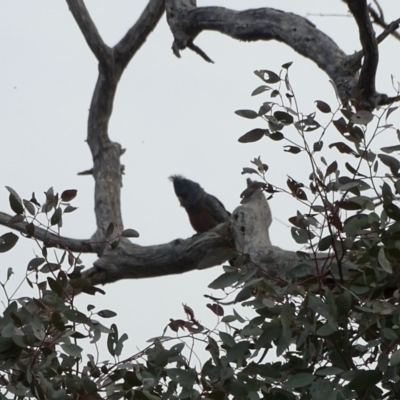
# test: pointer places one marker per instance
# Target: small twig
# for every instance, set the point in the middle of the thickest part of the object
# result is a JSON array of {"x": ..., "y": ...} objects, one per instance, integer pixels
[
  {"x": 48, "y": 238},
  {"x": 87, "y": 172},
  {"x": 200, "y": 52},
  {"x": 388, "y": 28}
]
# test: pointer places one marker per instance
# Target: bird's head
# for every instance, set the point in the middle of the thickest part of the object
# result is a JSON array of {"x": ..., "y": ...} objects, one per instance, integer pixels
[{"x": 188, "y": 192}]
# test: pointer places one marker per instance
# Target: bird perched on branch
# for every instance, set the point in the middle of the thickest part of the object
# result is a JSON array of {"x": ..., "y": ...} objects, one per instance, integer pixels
[{"x": 204, "y": 210}]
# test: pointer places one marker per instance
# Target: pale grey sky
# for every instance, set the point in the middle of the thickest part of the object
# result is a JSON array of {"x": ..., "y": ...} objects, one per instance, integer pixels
[{"x": 173, "y": 116}]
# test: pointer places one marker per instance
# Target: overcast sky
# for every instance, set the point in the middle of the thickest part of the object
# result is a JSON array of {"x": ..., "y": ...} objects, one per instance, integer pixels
[{"x": 174, "y": 116}]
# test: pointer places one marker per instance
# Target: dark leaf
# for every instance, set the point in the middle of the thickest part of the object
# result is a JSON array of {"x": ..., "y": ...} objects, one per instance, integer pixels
[
  {"x": 30, "y": 207},
  {"x": 56, "y": 217},
  {"x": 250, "y": 114},
  {"x": 69, "y": 209},
  {"x": 383, "y": 261},
  {"x": 283, "y": 117},
  {"x": 272, "y": 77},
  {"x": 318, "y": 145},
  {"x": 57, "y": 321},
  {"x": 395, "y": 358},
  {"x": 14, "y": 193},
  {"x": 331, "y": 169},
  {"x": 55, "y": 286},
  {"x": 391, "y": 149},
  {"x": 252, "y": 136},
  {"x": 260, "y": 89},
  {"x": 76, "y": 316},
  {"x": 106, "y": 313},
  {"x": 225, "y": 280},
  {"x": 356, "y": 135},
  {"x": 72, "y": 349},
  {"x": 323, "y": 107},
  {"x": 351, "y": 169},
  {"x": 175, "y": 350},
  {"x": 343, "y": 148},
  {"x": 347, "y": 113},
  {"x": 364, "y": 379},
  {"x": 392, "y": 211},
  {"x": 274, "y": 125},
  {"x": 287, "y": 65},
  {"x": 362, "y": 117},
  {"x": 7, "y": 241},
  {"x": 216, "y": 309},
  {"x": 318, "y": 208},
  {"x": 301, "y": 236},
  {"x": 292, "y": 149},
  {"x": 391, "y": 162},
  {"x": 238, "y": 350},
  {"x": 325, "y": 243},
  {"x": 35, "y": 263},
  {"x": 181, "y": 376},
  {"x": 349, "y": 205},
  {"x": 341, "y": 125},
  {"x": 249, "y": 171},
  {"x": 243, "y": 295},
  {"x": 266, "y": 107},
  {"x": 276, "y": 136},
  {"x": 301, "y": 194},
  {"x": 68, "y": 195},
  {"x": 120, "y": 344},
  {"x": 16, "y": 204},
  {"x": 299, "y": 380},
  {"x": 275, "y": 93},
  {"x": 389, "y": 111},
  {"x": 50, "y": 267}
]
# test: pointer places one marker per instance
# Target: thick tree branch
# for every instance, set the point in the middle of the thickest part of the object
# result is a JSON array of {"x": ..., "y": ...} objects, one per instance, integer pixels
[
  {"x": 92, "y": 36},
  {"x": 264, "y": 24},
  {"x": 135, "y": 262},
  {"x": 137, "y": 35},
  {"x": 366, "y": 81},
  {"x": 48, "y": 238},
  {"x": 248, "y": 229},
  {"x": 107, "y": 170},
  {"x": 187, "y": 21}
]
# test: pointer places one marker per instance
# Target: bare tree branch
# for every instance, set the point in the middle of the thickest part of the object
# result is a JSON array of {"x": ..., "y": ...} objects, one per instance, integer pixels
[
  {"x": 92, "y": 36},
  {"x": 264, "y": 24},
  {"x": 187, "y": 21},
  {"x": 248, "y": 228},
  {"x": 48, "y": 238},
  {"x": 389, "y": 29},
  {"x": 179, "y": 256},
  {"x": 107, "y": 170},
  {"x": 137, "y": 35},
  {"x": 369, "y": 67}
]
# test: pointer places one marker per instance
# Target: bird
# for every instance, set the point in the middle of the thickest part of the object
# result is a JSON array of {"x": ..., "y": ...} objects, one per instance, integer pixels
[{"x": 205, "y": 211}]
